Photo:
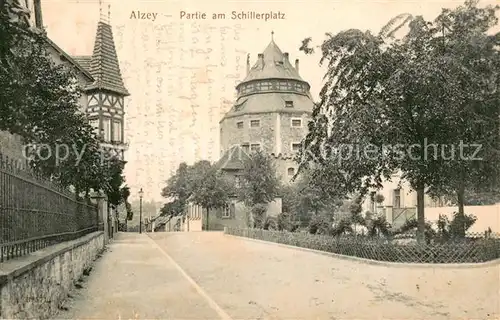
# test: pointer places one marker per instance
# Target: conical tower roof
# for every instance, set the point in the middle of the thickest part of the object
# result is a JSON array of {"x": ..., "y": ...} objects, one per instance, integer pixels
[
  {"x": 272, "y": 63},
  {"x": 104, "y": 65}
]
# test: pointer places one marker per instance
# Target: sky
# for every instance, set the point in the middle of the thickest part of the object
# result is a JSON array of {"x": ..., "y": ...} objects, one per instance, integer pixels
[{"x": 181, "y": 73}]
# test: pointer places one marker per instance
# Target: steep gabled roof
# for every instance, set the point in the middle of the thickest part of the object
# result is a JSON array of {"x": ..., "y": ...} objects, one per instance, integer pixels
[
  {"x": 233, "y": 159},
  {"x": 104, "y": 65},
  {"x": 84, "y": 61},
  {"x": 273, "y": 64}
]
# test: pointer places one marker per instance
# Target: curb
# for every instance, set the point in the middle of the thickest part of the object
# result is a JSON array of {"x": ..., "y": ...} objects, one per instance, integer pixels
[{"x": 495, "y": 262}]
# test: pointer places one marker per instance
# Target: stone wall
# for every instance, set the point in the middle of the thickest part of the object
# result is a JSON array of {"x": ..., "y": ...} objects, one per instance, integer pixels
[
  {"x": 34, "y": 286},
  {"x": 265, "y": 134}
]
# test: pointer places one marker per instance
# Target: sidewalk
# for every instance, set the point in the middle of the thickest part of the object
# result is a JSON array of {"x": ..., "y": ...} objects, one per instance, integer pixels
[{"x": 135, "y": 280}]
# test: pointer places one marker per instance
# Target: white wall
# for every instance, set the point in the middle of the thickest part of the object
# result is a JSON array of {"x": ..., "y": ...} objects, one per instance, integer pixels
[
  {"x": 487, "y": 216},
  {"x": 408, "y": 196}
]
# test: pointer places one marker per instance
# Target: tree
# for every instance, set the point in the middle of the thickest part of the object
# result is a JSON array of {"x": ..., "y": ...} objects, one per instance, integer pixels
[
  {"x": 259, "y": 185},
  {"x": 309, "y": 196},
  {"x": 474, "y": 59},
  {"x": 211, "y": 188},
  {"x": 387, "y": 95},
  {"x": 172, "y": 208},
  {"x": 201, "y": 184},
  {"x": 40, "y": 103},
  {"x": 258, "y": 181}
]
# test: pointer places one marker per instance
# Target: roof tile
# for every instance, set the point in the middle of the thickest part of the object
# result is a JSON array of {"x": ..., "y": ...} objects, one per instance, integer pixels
[
  {"x": 273, "y": 64},
  {"x": 103, "y": 64}
]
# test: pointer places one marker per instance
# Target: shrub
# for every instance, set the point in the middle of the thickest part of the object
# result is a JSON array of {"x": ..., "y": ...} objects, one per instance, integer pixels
[
  {"x": 259, "y": 214},
  {"x": 271, "y": 224},
  {"x": 319, "y": 224}
]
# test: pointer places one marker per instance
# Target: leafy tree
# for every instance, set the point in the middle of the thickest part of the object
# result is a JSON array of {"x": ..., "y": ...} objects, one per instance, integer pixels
[
  {"x": 211, "y": 188},
  {"x": 472, "y": 57},
  {"x": 172, "y": 208},
  {"x": 308, "y": 196},
  {"x": 40, "y": 103},
  {"x": 258, "y": 181},
  {"x": 258, "y": 186},
  {"x": 384, "y": 92},
  {"x": 179, "y": 185},
  {"x": 115, "y": 180}
]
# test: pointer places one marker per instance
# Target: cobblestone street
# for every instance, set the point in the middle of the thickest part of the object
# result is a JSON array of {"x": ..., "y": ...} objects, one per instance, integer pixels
[{"x": 214, "y": 276}]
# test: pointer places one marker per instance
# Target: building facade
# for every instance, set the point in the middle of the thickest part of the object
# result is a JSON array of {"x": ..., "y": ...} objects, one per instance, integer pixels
[
  {"x": 105, "y": 105},
  {"x": 271, "y": 113},
  {"x": 272, "y": 110},
  {"x": 98, "y": 75}
]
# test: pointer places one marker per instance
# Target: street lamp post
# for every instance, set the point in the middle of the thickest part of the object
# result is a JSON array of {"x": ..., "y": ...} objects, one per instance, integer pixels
[{"x": 141, "y": 194}]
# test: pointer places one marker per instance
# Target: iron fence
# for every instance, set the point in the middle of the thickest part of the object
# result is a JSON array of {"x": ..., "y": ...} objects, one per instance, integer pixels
[
  {"x": 469, "y": 250},
  {"x": 36, "y": 213}
]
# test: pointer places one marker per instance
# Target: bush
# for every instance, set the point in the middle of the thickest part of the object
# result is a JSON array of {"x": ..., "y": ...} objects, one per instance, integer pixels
[
  {"x": 259, "y": 214},
  {"x": 284, "y": 221},
  {"x": 320, "y": 225},
  {"x": 271, "y": 224}
]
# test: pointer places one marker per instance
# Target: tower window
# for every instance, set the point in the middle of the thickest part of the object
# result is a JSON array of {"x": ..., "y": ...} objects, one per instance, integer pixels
[
  {"x": 297, "y": 123},
  {"x": 289, "y": 104},
  {"x": 239, "y": 124},
  {"x": 254, "y": 123},
  {"x": 296, "y": 147},
  {"x": 291, "y": 171}
]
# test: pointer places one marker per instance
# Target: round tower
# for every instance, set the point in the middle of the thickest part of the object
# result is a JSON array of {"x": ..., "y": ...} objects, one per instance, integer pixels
[{"x": 271, "y": 112}]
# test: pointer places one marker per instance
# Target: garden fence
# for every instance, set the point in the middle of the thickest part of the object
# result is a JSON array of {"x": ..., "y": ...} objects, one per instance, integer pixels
[
  {"x": 472, "y": 249},
  {"x": 36, "y": 213}
]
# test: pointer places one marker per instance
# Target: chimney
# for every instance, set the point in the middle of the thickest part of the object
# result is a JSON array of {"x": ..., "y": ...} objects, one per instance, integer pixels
[
  {"x": 38, "y": 14},
  {"x": 285, "y": 55},
  {"x": 248, "y": 63},
  {"x": 297, "y": 65}
]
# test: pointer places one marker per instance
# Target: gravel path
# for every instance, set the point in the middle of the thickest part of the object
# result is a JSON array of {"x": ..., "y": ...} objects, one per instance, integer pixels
[
  {"x": 252, "y": 280},
  {"x": 133, "y": 280}
]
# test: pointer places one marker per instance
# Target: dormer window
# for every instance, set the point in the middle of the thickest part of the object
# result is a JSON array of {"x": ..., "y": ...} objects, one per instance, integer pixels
[
  {"x": 254, "y": 123},
  {"x": 289, "y": 104}
]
